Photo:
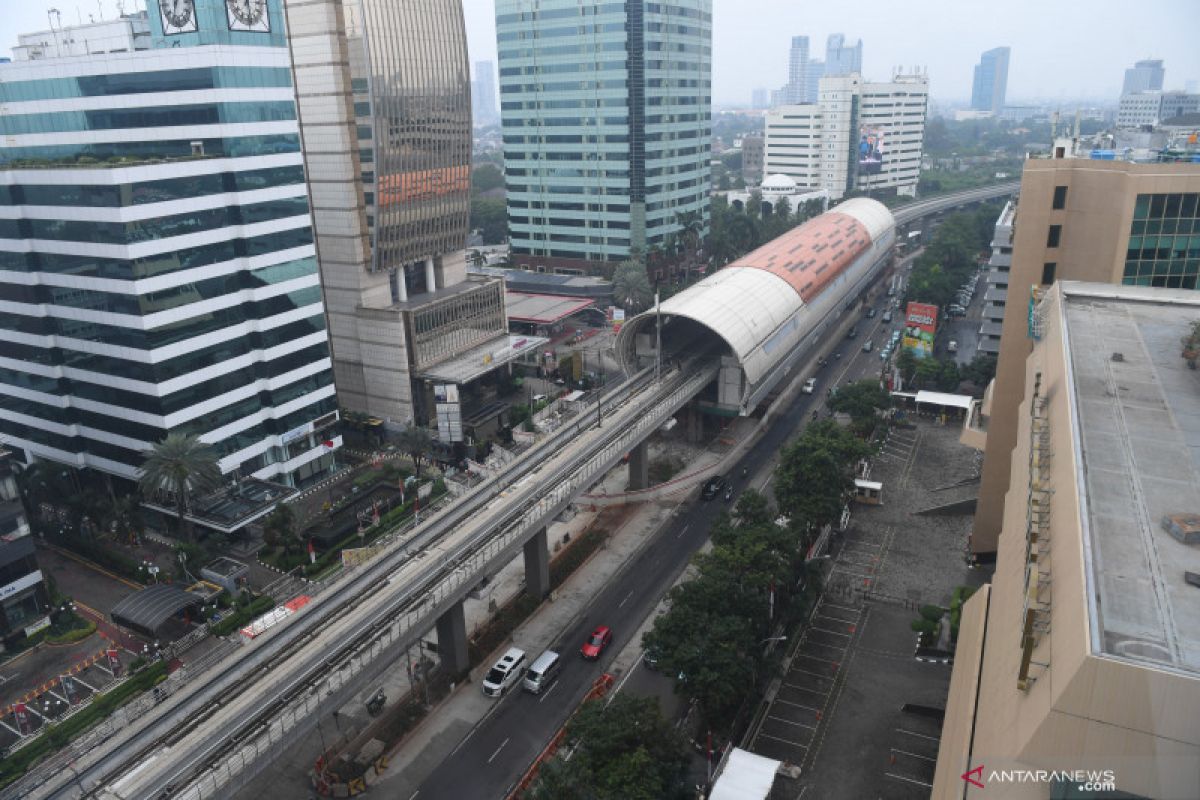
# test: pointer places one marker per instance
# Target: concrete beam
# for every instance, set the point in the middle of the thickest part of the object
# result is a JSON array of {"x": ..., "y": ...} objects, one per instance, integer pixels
[
  {"x": 639, "y": 467},
  {"x": 452, "y": 640},
  {"x": 537, "y": 565}
]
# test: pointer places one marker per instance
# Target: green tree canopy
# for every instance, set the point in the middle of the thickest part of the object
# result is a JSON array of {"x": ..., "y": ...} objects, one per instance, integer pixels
[
  {"x": 631, "y": 287},
  {"x": 625, "y": 750},
  {"x": 183, "y": 466},
  {"x": 485, "y": 177},
  {"x": 816, "y": 473},
  {"x": 490, "y": 217},
  {"x": 861, "y": 400}
]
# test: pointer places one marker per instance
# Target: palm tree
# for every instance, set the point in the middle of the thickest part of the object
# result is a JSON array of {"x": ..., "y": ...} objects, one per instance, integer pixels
[
  {"x": 631, "y": 287},
  {"x": 182, "y": 466}
]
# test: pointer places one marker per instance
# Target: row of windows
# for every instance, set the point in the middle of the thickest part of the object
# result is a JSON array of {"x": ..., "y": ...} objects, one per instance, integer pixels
[
  {"x": 559, "y": 69},
  {"x": 512, "y": 155},
  {"x": 570, "y": 222},
  {"x": 87, "y": 154},
  {"x": 566, "y": 172},
  {"x": 565, "y": 122},
  {"x": 564, "y": 86},
  {"x": 1163, "y": 248},
  {"x": 563, "y": 50},
  {"x": 153, "y": 302},
  {"x": 587, "y": 102},
  {"x": 561, "y": 13},
  {"x": 143, "y": 192},
  {"x": 526, "y": 33},
  {"x": 181, "y": 331},
  {"x": 174, "y": 80},
  {"x": 612, "y": 208},
  {"x": 564, "y": 238},
  {"x": 173, "y": 367},
  {"x": 617, "y": 191},
  {"x": 159, "y": 264},
  {"x": 1167, "y": 206},
  {"x": 149, "y": 117},
  {"x": 1153, "y": 227},
  {"x": 152, "y": 229}
]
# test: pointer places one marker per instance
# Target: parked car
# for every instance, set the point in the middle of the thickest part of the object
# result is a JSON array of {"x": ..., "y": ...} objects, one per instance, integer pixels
[
  {"x": 504, "y": 673},
  {"x": 810, "y": 385},
  {"x": 712, "y": 487},
  {"x": 595, "y": 644}
]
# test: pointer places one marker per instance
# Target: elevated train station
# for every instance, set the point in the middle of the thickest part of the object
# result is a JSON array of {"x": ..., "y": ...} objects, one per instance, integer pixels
[{"x": 763, "y": 312}]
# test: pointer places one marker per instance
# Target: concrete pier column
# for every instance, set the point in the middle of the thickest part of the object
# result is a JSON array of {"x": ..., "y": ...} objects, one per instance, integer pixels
[
  {"x": 537, "y": 565},
  {"x": 452, "y": 640},
  {"x": 695, "y": 424},
  {"x": 639, "y": 467},
  {"x": 430, "y": 277}
]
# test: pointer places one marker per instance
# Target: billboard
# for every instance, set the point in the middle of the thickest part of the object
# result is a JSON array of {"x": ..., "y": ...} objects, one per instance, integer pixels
[
  {"x": 920, "y": 325},
  {"x": 870, "y": 150}
]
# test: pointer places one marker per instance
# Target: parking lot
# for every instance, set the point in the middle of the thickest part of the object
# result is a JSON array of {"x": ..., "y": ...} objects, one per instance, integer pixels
[{"x": 854, "y": 710}]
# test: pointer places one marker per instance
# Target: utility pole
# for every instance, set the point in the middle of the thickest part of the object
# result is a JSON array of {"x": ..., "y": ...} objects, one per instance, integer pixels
[{"x": 657, "y": 336}]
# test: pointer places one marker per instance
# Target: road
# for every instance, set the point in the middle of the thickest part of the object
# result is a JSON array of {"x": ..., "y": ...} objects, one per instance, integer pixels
[{"x": 494, "y": 755}]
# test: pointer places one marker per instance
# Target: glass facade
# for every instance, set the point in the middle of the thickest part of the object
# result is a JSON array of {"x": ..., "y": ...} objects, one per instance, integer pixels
[
  {"x": 178, "y": 295},
  {"x": 1164, "y": 241},
  {"x": 606, "y": 113}
]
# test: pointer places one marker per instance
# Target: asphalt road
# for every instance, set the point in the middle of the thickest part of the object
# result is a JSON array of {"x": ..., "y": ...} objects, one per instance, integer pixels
[{"x": 495, "y": 754}]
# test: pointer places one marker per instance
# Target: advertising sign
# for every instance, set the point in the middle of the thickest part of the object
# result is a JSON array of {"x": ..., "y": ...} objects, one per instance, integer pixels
[
  {"x": 618, "y": 319},
  {"x": 870, "y": 150},
  {"x": 920, "y": 325}
]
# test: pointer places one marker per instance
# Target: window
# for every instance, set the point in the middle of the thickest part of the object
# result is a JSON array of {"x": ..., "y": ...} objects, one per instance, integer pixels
[
  {"x": 1048, "y": 273},
  {"x": 1054, "y": 235},
  {"x": 1060, "y": 197}
]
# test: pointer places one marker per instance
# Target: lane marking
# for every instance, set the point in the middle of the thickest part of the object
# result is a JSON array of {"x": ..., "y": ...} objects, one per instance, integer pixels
[
  {"x": 546, "y": 693},
  {"x": 498, "y": 749},
  {"x": 682, "y": 532},
  {"x": 626, "y": 600}
]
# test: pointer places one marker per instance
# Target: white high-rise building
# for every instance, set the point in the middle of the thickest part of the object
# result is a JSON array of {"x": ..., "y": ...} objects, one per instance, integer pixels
[{"x": 857, "y": 136}]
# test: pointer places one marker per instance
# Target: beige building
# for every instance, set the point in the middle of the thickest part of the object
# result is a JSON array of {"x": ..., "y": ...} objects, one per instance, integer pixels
[
  {"x": 1084, "y": 652},
  {"x": 1086, "y": 220}
]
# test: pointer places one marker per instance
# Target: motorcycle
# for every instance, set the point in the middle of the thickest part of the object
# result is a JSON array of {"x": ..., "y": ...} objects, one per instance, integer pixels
[{"x": 728, "y": 494}]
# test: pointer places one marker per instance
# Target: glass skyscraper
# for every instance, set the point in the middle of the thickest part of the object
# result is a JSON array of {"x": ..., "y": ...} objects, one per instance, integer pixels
[
  {"x": 991, "y": 81},
  {"x": 606, "y": 112},
  {"x": 157, "y": 267}
]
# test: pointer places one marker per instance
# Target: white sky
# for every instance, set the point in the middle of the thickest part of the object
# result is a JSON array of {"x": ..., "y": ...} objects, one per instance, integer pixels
[{"x": 1061, "y": 49}]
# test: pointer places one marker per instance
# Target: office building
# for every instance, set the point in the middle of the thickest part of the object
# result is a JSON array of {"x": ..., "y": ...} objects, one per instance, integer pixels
[
  {"x": 759, "y": 98},
  {"x": 126, "y": 34},
  {"x": 996, "y": 295},
  {"x": 752, "y": 159},
  {"x": 991, "y": 81},
  {"x": 607, "y": 136},
  {"x": 841, "y": 58},
  {"x": 812, "y": 81},
  {"x": 157, "y": 270},
  {"x": 1149, "y": 108},
  {"x": 1086, "y": 220},
  {"x": 483, "y": 95},
  {"x": 1144, "y": 76},
  {"x": 387, "y": 144},
  {"x": 796, "y": 89},
  {"x": 857, "y": 136},
  {"x": 1081, "y": 659},
  {"x": 24, "y": 601}
]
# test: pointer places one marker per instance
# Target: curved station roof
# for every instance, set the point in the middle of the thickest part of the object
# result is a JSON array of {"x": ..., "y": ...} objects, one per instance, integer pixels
[{"x": 751, "y": 304}]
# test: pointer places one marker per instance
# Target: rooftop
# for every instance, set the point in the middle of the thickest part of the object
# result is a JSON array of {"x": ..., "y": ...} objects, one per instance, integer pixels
[
  {"x": 1138, "y": 420},
  {"x": 542, "y": 309}
]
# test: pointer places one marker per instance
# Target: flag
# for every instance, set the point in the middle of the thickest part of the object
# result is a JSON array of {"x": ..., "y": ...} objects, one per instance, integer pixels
[
  {"x": 328, "y": 443},
  {"x": 402, "y": 490}
]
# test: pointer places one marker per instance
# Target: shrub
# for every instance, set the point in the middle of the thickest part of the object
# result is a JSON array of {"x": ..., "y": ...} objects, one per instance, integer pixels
[
  {"x": 73, "y": 635},
  {"x": 243, "y": 615},
  {"x": 932, "y": 613},
  {"x": 924, "y": 626}
]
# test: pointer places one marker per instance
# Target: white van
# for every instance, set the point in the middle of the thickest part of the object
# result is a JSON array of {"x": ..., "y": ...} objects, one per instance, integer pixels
[
  {"x": 541, "y": 672},
  {"x": 504, "y": 673}
]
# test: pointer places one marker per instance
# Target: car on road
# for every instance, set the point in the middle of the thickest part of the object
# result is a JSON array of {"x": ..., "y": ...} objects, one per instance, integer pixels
[
  {"x": 867, "y": 345},
  {"x": 952, "y": 347},
  {"x": 871, "y": 313},
  {"x": 851, "y": 334},
  {"x": 595, "y": 644},
  {"x": 887, "y": 316},
  {"x": 712, "y": 487},
  {"x": 504, "y": 673},
  {"x": 810, "y": 386}
]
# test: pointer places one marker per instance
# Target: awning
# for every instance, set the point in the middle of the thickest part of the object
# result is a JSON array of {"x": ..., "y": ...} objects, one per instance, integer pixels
[
  {"x": 147, "y": 610},
  {"x": 746, "y": 777},
  {"x": 861, "y": 484},
  {"x": 542, "y": 309},
  {"x": 943, "y": 399},
  {"x": 481, "y": 359}
]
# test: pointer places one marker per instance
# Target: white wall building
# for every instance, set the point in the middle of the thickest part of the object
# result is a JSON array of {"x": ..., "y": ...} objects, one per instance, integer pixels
[
  {"x": 1150, "y": 108},
  {"x": 857, "y": 136},
  {"x": 130, "y": 32}
]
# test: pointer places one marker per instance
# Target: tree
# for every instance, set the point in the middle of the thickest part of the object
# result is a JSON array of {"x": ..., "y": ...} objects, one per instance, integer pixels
[
  {"x": 816, "y": 473},
  {"x": 182, "y": 466},
  {"x": 279, "y": 528},
  {"x": 485, "y": 177},
  {"x": 416, "y": 442},
  {"x": 981, "y": 370},
  {"x": 625, "y": 750},
  {"x": 861, "y": 400},
  {"x": 631, "y": 286},
  {"x": 490, "y": 217},
  {"x": 41, "y": 482},
  {"x": 122, "y": 517}
]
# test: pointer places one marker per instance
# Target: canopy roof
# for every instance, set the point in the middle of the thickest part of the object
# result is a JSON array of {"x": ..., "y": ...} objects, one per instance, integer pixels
[{"x": 147, "y": 610}]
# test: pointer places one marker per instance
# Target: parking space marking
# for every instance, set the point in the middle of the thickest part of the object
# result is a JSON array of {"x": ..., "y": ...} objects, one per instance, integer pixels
[
  {"x": 909, "y": 780},
  {"x": 785, "y": 741},
  {"x": 810, "y": 672},
  {"x": 840, "y": 571},
  {"x": 843, "y": 608},
  {"x": 832, "y": 633},
  {"x": 816, "y": 658},
  {"x": 797, "y": 705},
  {"x": 804, "y": 688},
  {"x": 790, "y": 722},
  {"x": 914, "y": 755},
  {"x": 921, "y": 735}
]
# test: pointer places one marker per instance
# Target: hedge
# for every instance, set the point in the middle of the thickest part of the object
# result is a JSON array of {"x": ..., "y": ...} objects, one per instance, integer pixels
[
  {"x": 73, "y": 635},
  {"x": 54, "y": 737},
  {"x": 243, "y": 615}
]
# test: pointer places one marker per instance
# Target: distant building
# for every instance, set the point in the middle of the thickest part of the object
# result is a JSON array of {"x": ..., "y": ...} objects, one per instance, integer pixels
[
  {"x": 776, "y": 188},
  {"x": 1151, "y": 107},
  {"x": 796, "y": 90},
  {"x": 1082, "y": 656},
  {"x": 1144, "y": 76},
  {"x": 752, "y": 159},
  {"x": 991, "y": 81},
  {"x": 857, "y": 136},
  {"x": 607, "y": 152},
  {"x": 483, "y": 95},
  {"x": 1021, "y": 113},
  {"x": 841, "y": 58},
  {"x": 812, "y": 80},
  {"x": 760, "y": 98},
  {"x": 129, "y": 33},
  {"x": 996, "y": 294}
]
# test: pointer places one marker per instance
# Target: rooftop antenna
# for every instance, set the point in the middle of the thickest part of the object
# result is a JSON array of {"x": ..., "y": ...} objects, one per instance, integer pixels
[{"x": 51, "y": 15}]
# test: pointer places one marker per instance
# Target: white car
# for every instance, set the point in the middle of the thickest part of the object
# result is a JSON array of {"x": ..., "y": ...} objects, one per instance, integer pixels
[
  {"x": 810, "y": 386},
  {"x": 504, "y": 673}
]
